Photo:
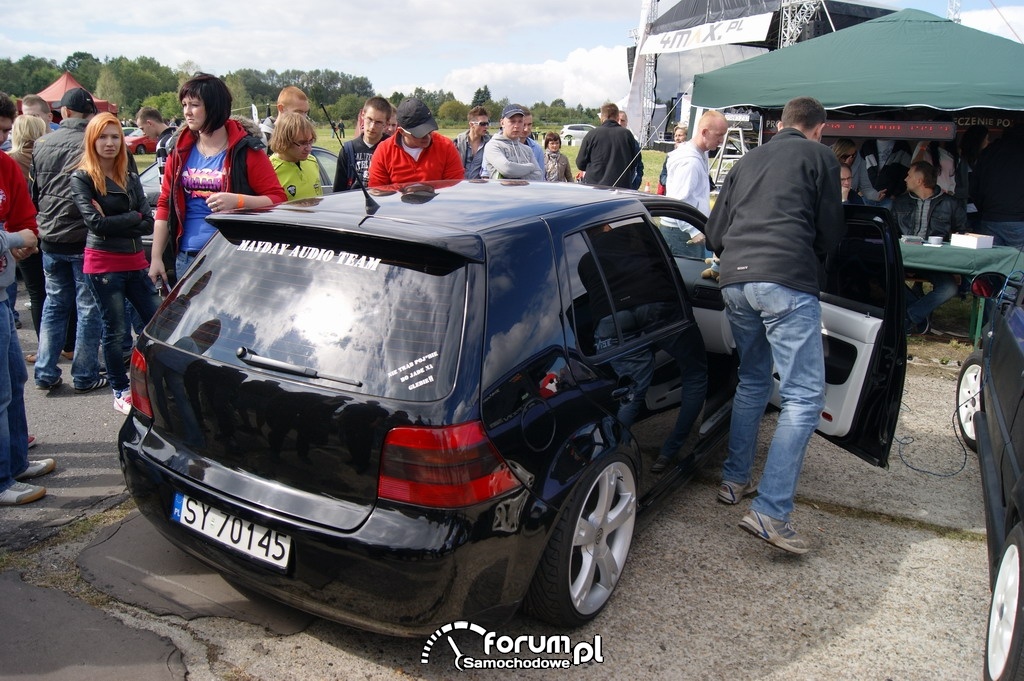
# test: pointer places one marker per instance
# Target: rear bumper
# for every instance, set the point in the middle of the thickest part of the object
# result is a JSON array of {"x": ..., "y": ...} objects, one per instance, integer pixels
[{"x": 405, "y": 571}]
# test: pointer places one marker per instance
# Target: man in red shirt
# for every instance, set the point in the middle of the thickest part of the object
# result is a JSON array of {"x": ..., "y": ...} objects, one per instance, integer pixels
[{"x": 416, "y": 152}]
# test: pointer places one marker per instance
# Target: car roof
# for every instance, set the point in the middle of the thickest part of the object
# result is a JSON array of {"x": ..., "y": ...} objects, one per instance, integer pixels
[{"x": 454, "y": 216}]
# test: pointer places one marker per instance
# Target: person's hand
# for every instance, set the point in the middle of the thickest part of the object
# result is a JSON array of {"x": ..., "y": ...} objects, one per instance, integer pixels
[
  {"x": 221, "y": 201},
  {"x": 96, "y": 205},
  {"x": 31, "y": 241},
  {"x": 883, "y": 194},
  {"x": 696, "y": 239},
  {"x": 31, "y": 245},
  {"x": 158, "y": 275}
]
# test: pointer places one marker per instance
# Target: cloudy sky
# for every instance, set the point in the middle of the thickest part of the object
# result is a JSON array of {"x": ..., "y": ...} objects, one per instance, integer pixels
[{"x": 543, "y": 50}]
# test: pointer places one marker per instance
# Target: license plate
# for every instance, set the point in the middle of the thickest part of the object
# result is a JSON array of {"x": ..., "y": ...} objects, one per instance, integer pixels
[{"x": 256, "y": 541}]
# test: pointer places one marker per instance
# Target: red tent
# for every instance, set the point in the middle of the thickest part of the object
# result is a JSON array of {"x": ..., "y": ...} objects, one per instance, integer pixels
[{"x": 55, "y": 91}]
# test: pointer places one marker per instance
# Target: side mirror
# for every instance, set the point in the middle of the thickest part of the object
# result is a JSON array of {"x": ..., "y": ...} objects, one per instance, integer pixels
[{"x": 988, "y": 284}]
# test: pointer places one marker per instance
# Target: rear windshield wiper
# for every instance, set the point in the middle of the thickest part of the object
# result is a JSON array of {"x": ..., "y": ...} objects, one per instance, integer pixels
[{"x": 251, "y": 358}]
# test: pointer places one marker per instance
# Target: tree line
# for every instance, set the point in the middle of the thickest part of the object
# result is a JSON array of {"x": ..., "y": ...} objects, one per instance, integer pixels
[{"x": 143, "y": 81}]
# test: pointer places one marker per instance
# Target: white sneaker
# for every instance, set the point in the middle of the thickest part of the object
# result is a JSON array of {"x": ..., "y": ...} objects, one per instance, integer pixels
[
  {"x": 37, "y": 468},
  {"x": 123, "y": 401},
  {"x": 21, "y": 493}
]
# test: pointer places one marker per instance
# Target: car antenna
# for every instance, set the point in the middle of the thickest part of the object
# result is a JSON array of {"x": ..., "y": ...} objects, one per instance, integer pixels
[{"x": 371, "y": 206}]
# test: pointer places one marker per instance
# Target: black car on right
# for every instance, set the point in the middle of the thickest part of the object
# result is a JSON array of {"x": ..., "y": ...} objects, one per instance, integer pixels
[{"x": 990, "y": 415}]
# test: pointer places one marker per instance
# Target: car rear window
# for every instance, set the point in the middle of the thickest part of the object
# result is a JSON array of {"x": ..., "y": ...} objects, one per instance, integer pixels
[{"x": 366, "y": 317}]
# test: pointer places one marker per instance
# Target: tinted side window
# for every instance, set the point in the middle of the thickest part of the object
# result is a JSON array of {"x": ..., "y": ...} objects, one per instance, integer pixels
[
  {"x": 390, "y": 321},
  {"x": 622, "y": 285},
  {"x": 523, "y": 309}
]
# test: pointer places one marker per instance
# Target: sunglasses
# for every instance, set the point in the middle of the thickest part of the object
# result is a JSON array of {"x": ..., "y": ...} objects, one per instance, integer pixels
[
  {"x": 843, "y": 157},
  {"x": 482, "y": 124}
]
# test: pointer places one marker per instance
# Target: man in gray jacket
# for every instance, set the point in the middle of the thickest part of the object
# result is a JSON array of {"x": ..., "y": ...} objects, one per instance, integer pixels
[
  {"x": 505, "y": 156},
  {"x": 62, "y": 235},
  {"x": 778, "y": 215}
]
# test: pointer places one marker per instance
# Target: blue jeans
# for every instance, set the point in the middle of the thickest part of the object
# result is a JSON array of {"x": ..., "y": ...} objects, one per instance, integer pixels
[
  {"x": 66, "y": 287},
  {"x": 774, "y": 326},
  {"x": 943, "y": 288},
  {"x": 111, "y": 290},
  {"x": 12, "y": 298},
  {"x": 182, "y": 262},
  {"x": 13, "y": 424},
  {"x": 1005, "y": 233}
]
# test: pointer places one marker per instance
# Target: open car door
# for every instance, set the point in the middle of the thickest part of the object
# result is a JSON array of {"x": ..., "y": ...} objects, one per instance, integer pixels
[{"x": 862, "y": 310}]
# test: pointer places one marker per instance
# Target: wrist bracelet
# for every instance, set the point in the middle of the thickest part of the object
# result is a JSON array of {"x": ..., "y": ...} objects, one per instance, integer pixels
[{"x": 241, "y": 201}]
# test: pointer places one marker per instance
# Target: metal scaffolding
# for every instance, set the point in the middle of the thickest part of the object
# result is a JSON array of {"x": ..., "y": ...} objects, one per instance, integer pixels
[
  {"x": 953, "y": 10},
  {"x": 649, "y": 63},
  {"x": 794, "y": 15}
]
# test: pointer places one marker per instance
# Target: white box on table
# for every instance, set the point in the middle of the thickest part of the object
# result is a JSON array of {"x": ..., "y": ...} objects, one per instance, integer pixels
[{"x": 971, "y": 240}]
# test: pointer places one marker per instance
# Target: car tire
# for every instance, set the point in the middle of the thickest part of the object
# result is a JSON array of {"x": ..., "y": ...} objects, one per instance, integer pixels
[
  {"x": 968, "y": 398},
  {"x": 1004, "y": 638},
  {"x": 584, "y": 559},
  {"x": 141, "y": 149}
]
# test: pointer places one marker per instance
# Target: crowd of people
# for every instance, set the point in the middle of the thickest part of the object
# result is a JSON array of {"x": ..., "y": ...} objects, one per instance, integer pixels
[
  {"x": 790, "y": 191},
  {"x": 74, "y": 213},
  {"x": 412, "y": 150},
  {"x": 934, "y": 190}
]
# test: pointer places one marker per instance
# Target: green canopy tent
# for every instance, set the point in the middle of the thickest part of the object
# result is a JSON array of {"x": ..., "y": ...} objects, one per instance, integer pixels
[{"x": 907, "y": 59}]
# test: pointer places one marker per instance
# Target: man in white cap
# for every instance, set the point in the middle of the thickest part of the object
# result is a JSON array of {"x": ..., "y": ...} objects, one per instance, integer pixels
[
  {"x": 417, "y": 152},
  {"x": 506, "y": 156}
]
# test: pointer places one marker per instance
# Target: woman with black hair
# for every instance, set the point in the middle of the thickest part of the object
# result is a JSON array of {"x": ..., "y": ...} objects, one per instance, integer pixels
[{"x": 214, "y": 166}]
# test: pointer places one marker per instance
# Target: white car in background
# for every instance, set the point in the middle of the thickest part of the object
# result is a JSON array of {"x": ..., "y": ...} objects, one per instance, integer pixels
[{"x": 574, "y": 133}]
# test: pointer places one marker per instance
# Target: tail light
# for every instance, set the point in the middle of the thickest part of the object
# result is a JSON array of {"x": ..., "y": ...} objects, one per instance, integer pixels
[
  {"x": 449, "y": 467},
  {"x": 140, "y": 388}
]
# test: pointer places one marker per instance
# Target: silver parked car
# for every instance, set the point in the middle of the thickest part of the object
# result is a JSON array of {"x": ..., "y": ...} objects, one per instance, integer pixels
[{"x": 574, "y": 133}]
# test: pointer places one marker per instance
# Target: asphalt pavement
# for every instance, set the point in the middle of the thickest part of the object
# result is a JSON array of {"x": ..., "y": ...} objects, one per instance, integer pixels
[{"x": 895, "y": 587}]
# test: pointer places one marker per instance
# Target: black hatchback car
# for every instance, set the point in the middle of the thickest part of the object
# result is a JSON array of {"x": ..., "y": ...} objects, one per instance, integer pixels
[
  {"x": 402, "y": 410},
  {"x": 990, "y": 413}
]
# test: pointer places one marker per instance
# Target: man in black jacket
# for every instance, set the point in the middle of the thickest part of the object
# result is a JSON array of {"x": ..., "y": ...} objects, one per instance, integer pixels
[
  {"x": 609, "y": 154},
  {"x": 62, "y": 235},
  {"x": 995, "y": 185},
  {"x": 778, "y": 214}
]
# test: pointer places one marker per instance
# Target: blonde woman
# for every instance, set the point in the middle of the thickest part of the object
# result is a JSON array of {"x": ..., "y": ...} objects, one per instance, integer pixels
[
  {"x": 26, "y": 130},
  {"x": 293, "y": 161},
  {"x": 845, "y": 150},
  {"x": 115, "y": 210},
  {"x": 24, "y": 133}
]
